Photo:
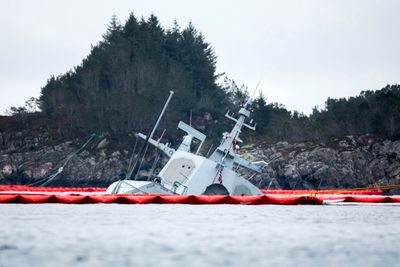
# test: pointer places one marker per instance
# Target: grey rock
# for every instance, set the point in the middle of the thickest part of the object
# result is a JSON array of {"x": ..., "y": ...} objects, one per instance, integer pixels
[
  {"x": 7, "y": 169},
  {"x": 350, "y": 162},
  {"x": 353, "y": 162},
  {"x": 102, "y": 144}
]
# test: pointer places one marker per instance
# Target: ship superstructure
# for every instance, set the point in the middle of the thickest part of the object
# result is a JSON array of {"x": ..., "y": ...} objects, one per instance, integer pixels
[{"x": 189, "y": 173}]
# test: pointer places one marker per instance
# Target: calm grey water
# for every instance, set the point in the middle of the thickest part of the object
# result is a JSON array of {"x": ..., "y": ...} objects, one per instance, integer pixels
[{"x": 211, "y": 235}]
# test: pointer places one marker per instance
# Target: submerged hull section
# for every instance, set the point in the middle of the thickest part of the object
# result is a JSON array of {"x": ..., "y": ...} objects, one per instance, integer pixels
[
  {"x": 137, "y": 187},
  {"x": 188, "y": 174}
]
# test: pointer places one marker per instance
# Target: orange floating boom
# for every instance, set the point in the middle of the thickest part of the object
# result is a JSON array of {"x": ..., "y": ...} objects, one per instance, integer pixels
[{"x": 190, "y": 199}]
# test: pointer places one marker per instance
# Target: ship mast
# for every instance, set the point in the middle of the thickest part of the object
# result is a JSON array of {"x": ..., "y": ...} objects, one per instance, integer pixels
[{"x": 225, "y": 153}]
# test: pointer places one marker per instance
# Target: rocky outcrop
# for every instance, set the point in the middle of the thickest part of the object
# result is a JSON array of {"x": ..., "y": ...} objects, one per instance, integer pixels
[
  {"x": 29, "y": 160},
  {"x": 349, "y": 163},
  {"x": 352, "y": 162}
]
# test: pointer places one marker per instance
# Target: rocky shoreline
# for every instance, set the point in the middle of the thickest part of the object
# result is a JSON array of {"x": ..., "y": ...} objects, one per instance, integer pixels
[
  {"x": 349, "y": 163},
  {"x": 352, "y": 162}
]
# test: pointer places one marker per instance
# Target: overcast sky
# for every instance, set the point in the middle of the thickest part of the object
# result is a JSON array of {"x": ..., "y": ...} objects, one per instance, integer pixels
[{"x": 302, "y": 51}]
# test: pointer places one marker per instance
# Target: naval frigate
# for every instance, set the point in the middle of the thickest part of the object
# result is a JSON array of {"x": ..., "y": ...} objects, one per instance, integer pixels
[{"x": 189, "y": 173}]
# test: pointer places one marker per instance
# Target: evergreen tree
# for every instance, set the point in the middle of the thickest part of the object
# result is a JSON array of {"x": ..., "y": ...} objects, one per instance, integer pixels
[{"x": 122, "y": 83}]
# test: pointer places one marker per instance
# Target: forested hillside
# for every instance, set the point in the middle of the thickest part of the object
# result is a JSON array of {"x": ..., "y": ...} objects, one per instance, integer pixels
[
  {"x": 120, "y": 87},
  {"x": 372, "y": 112}
]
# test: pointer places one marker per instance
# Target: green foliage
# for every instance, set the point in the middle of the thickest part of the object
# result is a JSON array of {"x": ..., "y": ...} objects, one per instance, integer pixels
[
  {"x": 122, "y": 84},
  {"x": 31, "y": 106},
  {"x": 235, "y": 95},
  {"x": 372, "y": 112},
  {"x": 376, "y": 112}
]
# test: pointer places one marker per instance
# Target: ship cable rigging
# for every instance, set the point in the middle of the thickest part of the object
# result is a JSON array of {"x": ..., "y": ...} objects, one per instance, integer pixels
[{"x": 47, "y": 180}]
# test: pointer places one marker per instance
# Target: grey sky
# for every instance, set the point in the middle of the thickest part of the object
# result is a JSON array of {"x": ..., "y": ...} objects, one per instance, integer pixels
[{"x": 302, "y": 51}]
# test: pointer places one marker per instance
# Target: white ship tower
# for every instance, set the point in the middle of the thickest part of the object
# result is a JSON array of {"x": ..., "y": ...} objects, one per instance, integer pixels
[{"x": 188, "y": 173}]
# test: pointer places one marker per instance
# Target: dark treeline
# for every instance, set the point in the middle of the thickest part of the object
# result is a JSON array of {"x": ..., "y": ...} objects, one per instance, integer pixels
[
  {"x": 122, "y": 84},
  {"x": 372, "y": 112}
]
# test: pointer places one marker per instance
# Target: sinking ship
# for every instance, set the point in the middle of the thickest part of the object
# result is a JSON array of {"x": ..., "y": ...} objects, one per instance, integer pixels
[
  {"x": 189, "y": 173},
  {"x": 190, "y": 178}
]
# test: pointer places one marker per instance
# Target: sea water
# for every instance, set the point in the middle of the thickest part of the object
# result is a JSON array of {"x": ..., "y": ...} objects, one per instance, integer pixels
[{"x": 198, "y": 235}]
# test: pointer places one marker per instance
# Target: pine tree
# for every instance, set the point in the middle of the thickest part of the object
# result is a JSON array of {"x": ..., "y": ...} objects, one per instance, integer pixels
[{"x": 114, "y": 29}]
